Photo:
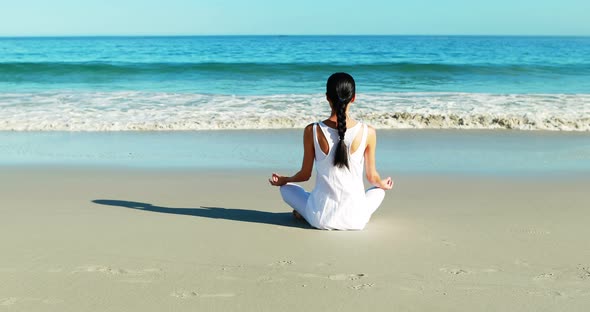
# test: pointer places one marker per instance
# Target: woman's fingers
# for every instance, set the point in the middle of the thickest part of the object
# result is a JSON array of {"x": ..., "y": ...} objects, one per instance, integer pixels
[
  {"x": 274, "y": 179},
  {"x": 387, "y": 183}
]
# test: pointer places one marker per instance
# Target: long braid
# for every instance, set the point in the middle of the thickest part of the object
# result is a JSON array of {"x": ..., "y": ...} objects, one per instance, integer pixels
[
  {"x": 340, "y": 90},
  {"x": 341, "y": 156}
]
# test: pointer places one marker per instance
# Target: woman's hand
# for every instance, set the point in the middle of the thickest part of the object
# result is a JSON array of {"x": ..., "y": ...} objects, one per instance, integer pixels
[
  {"x": 386, "y": 184},
  {"x": 277, "y": 180}
]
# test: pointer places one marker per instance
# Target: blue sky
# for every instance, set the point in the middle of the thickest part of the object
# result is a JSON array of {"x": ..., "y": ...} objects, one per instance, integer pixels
[{"x": 234, "y": 17}]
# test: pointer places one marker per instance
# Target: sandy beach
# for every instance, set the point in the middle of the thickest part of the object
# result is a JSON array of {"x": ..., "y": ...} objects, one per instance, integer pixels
[
  {"x": 96, "y": 239},
  {"x": 135, "y": 156}
]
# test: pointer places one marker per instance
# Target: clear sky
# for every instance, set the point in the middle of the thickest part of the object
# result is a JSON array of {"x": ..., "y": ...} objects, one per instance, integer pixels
[{"x": 235, "y": 17}]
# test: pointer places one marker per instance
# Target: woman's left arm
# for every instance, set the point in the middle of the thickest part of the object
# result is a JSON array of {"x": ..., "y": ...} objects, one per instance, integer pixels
[{"x": 306, "y": 166}]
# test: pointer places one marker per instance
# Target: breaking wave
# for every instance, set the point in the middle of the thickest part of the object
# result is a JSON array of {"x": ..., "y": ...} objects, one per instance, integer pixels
[{"x": 153, "y": 111}]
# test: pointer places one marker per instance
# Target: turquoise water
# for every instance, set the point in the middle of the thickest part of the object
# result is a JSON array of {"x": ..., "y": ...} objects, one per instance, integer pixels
[
  {"x": 260, "y": 82},
  {"x": 297, "y": 64}
]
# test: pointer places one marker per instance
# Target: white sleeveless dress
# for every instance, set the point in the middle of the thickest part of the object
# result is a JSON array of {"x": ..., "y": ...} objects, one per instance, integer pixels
[{"x": 338, "y": 200}]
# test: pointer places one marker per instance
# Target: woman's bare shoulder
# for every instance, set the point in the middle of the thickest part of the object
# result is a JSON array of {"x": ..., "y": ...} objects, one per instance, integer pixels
[
  {"x": 309, "y": 127},
  {"x": 308, "y": 131},
  {"x": 371, "y": 130}
]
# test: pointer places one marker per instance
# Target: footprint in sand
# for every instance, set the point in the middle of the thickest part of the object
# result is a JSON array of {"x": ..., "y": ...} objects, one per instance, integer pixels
[
  {"x": 545, "y": 277},
  {"x": 220, "y": 295},
  {"x": 283, "y": 263},
  {"x": 189, "y": 294},
  {"x": 100, "y": 269},
  {"x": 346, "y": 277},
  {"x": 584, "y": 272},
  {"x": 362, "y": 286},
  {"x": 114, "y": 271},
  {"x": 461, "y": 271},
  {"x": 184, "y": 294},
  {"x": 454, "y": 271},
  {"x": 227, "y": 267}
]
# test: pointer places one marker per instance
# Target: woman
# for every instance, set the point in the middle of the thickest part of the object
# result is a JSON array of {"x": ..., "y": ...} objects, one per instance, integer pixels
[{"x": 340, "y": 146}]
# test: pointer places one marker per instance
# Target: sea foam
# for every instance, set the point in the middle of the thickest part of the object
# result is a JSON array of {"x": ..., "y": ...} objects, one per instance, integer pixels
[{"x": 151, "y": 111}]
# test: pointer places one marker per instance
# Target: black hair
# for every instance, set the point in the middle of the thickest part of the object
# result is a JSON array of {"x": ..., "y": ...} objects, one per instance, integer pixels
[{"x": 340, "y": 89}]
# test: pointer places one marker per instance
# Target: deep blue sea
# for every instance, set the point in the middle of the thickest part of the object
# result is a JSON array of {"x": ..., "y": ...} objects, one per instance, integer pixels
[{"x": 252, "y": 82}]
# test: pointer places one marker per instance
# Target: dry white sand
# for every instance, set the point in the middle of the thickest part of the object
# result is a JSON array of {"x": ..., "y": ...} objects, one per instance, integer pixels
[{"x": 120, "y": 240}]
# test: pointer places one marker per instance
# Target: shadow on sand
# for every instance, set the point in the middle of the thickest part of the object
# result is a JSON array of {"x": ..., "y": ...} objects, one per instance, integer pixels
[{"x": 234, "y": 214}]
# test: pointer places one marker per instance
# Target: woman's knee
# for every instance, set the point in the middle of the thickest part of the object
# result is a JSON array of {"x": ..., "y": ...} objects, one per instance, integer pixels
[
  {"x": 375, "y": 197},
  {"x": 294, "y": 195},
  {"x": 285, "y": 189},
  {"x": 375, "y": 191},
  {"x": 289, "y": 190}
]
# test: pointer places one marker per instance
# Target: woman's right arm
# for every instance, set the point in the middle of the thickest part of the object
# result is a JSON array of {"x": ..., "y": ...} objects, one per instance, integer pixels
[{"x": 370, "y": 167}]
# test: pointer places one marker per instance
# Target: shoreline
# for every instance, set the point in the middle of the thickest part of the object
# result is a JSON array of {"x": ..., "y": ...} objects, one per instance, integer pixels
[{"x": 428, "y": 152}]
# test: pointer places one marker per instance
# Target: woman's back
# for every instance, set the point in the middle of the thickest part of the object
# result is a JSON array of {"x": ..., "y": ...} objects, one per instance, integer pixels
[{"x": 338, "y": 198}]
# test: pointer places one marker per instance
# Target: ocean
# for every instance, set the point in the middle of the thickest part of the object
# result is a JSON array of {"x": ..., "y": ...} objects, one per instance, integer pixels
[{"x": 278, "y": 82}]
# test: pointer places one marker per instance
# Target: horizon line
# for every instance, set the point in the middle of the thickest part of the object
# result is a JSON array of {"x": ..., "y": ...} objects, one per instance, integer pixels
[{"x": 282, "y": 35}]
